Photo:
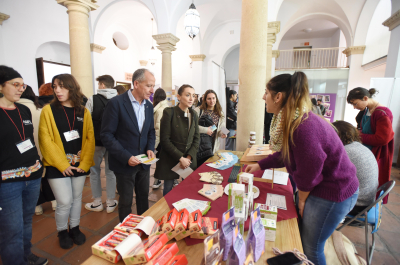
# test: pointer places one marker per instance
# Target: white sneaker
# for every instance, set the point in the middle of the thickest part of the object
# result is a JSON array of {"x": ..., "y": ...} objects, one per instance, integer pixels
[
  {"x": 39, "y": 210},
  {"x": 111, "y": 206},
  {"x": 94, "y": 206},
  {"x": 54, "y": 205}
]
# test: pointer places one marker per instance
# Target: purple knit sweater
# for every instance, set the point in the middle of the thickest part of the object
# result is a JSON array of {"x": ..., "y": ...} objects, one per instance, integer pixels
[{"x": 318, "y": 161}]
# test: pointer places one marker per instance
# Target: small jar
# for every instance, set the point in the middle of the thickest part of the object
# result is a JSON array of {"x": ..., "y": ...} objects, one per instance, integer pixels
[
  {"x": 251, "y": 143},
  {"x": 252, "y": 136}
]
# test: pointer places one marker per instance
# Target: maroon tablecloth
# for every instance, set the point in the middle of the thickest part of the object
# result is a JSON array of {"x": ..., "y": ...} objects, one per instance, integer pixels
[{"x": 191, "y": 185}]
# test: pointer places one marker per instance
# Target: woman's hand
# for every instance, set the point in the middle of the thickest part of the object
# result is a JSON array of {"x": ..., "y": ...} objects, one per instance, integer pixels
[
  {"x": 184, "y": 162},
  {"x": 301, "y": 205},
  {"x": 209, "y": 131},
  {"x": 68, "y": 171},
  {"x": 252, "y": 168},
  {"x": 223, "y": 136},
  {"x": 303, "y": 195}
]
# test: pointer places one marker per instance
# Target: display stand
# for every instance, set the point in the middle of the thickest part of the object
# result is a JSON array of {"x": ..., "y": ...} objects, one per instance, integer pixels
[{"x": 250, "y": 158}]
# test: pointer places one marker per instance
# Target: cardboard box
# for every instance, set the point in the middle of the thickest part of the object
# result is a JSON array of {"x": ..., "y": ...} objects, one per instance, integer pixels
[
  {"x": 102, "y": 250},
  {"x": 165, "y": 255},
  {"x": 246, "y": 178},
  {"x": 209, "y": 226},
  {"x": 129, "y": 224},
  {"x": 194, "y": 225},
  {"x": 270, "y": 229},
  {"x": 169, "y": 221},
  {"x": 236, "y": 193},
  {"x": 178, "y": 260},
  {"x": 181, "y": 225},
  {"x": 267, "y": 212},
  {"x": 138, "y": 252}
]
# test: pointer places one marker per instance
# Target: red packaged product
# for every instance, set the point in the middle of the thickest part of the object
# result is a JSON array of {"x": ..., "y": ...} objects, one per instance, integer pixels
[
  {"x": 178, "y": 260},
  {"x": 169, "y": 221},
  {"x": 194, "y": 225},
  {"x": 165, "y": 255}
]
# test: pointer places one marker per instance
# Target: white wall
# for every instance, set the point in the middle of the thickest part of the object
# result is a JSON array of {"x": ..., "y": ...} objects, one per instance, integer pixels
[
  {"x": 54, "y": 51},
  {"x": 315, "y": 43},
  {"x": 31, "y": 24}
]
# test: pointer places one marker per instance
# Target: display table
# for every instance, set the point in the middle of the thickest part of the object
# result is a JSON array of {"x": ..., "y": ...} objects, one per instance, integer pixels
[{"x": 287, "y": 236}]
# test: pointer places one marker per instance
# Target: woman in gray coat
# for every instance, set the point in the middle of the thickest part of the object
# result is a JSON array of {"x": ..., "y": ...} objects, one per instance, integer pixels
[{"x": 179, "y": 138}]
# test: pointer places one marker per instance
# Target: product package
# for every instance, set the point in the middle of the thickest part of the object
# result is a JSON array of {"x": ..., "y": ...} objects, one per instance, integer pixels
[
  {"x": 209, "y": 226},
  {"x": 181, "y": 224},
  {"x": 169, "y": 220},
  {"x": 194, "y": 225},
  {"x": 212, "y": 249},
  {"x": 256, "y": 236},
  {"x": 270, "y": 229},
  {"x": 105, "y": 247},
  {"x": 129, "y": 224},
  {"x": 249, "y": 256},
  {"x": 212, "y": 177},
  {"x": 212, "y": 192},
  {"x": 135, "y": 251},
  {"x": 227, "y": 230},
  {"x": 164, "y": 255},
  {"x": 192, "y": 205},
  {"x": 236, "y": 193},
  {"x": 267, "y": 212},
  {"x": 178, "y": 260},
  {"x": 238, "y": 255}
]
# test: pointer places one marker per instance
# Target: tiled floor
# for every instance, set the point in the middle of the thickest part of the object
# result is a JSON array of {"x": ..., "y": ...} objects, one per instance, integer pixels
[{"x": 97, "y": 224}]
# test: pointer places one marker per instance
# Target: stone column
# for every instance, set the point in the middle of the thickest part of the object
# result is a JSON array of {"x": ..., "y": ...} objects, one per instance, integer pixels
[
  {"x": 354, "y": 56},
  {"x": 197, "y": 72},
  {"x": 273, "y": 29},
  {"x": 96, "y": 51},
  {"x": 393, "y": 70},
  {"x": 79, "y": 41},
  {"x": 166, "y": 44},
  {"x": 275, "y": 56},
  {"x": 252, "y": 72}
]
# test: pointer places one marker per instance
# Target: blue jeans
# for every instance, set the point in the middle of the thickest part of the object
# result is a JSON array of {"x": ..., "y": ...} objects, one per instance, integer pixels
[
  {"x": 95, "y": 182},
  {"x": 68, "y": 193},
  {"x": 17, "y": 206},
  {"x": 230, "y": 143},
  {"x": 168, "y": 185},
  {"x": 320, "y": 219}
]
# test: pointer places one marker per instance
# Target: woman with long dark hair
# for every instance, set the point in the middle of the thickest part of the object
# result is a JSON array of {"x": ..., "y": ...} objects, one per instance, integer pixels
[
  {"x": 376, "y": 129},
  {"x": 67, "y": 143},
  {"x": 179, "y": 133},
  {"x": 310, "y": 149},
  {"x": 21, "y": 171},
  {"x": 160, "y": 102},
  {"x": 210, "y": 107}
]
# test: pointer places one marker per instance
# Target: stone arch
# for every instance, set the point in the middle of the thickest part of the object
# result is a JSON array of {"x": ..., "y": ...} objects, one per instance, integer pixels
[{"x": 55, "y": 51}]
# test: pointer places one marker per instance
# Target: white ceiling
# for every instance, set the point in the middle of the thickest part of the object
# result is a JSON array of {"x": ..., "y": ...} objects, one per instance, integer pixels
[{"x": 320, "y": 29}]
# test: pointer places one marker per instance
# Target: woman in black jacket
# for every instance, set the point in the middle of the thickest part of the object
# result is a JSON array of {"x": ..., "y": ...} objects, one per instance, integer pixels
[
  {"x": 179, "y": 137},
  {"x": 231, "y": 118}
]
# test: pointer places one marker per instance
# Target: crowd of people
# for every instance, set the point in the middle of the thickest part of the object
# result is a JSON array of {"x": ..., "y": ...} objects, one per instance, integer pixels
[{"x": 52, "y": 142}]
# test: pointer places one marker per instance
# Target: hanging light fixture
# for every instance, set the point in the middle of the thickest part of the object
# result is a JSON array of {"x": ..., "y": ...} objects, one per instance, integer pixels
[
  {"x": 153, "y": 53},
  {"x": 192, "y": 21}
]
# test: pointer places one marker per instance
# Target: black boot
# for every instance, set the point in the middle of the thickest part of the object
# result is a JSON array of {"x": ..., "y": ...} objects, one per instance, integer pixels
[
  {"x": 65, "y": 240},
  {"x": 77, "y": 236}
]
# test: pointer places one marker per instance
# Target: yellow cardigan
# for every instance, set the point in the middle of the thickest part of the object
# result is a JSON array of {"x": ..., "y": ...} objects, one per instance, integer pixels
[{"x": 52, "y": 147}]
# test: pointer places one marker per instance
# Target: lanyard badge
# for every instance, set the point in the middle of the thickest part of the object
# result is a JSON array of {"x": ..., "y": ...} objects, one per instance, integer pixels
[{"x": 72, "y": 134}]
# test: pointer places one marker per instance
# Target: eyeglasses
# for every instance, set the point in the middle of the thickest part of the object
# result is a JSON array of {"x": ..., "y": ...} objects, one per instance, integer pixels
[
  {"x": 18, "y": 85},
  {"x": 354, "y": 105}
]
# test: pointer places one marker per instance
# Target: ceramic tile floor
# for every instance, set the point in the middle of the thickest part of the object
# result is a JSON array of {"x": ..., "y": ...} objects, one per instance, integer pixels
[{"x": 97, "y": 224}]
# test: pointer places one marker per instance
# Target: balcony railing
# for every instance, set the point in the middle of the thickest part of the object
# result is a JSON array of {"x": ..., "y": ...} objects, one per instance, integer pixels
[{"x": 311, "y": 58}]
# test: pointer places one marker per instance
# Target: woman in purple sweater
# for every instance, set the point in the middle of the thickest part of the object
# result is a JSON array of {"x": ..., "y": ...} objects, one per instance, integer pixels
[{"x": 313, "y": 154}]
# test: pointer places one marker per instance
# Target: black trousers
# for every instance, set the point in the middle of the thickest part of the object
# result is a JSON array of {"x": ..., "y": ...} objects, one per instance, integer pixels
[
  {"x": 138, "y": 180},
  {"x": 46, "y": 194}
]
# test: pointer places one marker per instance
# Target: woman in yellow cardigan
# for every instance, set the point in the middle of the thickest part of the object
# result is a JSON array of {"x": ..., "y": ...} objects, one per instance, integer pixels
[{"x": 67, "y": 143}]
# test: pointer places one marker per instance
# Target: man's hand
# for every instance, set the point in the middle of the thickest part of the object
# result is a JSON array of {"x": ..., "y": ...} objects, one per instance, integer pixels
[
  {"x": 133, "y": 161},
  {"x": 150, "y": 154}
]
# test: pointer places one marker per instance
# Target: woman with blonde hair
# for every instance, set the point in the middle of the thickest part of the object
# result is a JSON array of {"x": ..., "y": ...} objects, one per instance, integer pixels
[
  {"x": 313, "y": 154},
  {"x": 66, "y": 138}
]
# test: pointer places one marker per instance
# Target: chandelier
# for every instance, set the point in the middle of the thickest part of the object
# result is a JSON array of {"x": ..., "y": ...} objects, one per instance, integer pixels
[
  {"x": 152, "y": 53},
  {"x": 192, "y": 21}
]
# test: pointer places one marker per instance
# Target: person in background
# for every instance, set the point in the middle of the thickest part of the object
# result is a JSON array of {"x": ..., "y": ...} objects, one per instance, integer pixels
[
  {"x": 180, "y": 137},
  {"x": 321, "y": 107},
  {"x": 213, "y": 109},
  {"x": 67, "y": 142},
  {"x": 127, "y": 131},
  {"x": 96, "y": 105},
  {"x": 46, "y": 94},
  {"x": 359, "y": 118},
  {"x": 29, "y": 99},
  {"x": 160, "y": 102},
  {"x": 21, "y": 172},
  {"x": 231, "y": 118},
  {"x": 365, "y": 162},
  {"x": 201, "y": 100},
  {"x": 376, "y": 130},
  {"x": 120, "y": 89},
  {"x": 196, "y": 102},
  {"x": 325, "y": 177},
  {"x": 315, "y": 109}
]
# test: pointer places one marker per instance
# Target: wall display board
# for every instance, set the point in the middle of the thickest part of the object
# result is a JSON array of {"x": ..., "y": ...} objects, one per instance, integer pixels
[{"x": 329, "y": 102}]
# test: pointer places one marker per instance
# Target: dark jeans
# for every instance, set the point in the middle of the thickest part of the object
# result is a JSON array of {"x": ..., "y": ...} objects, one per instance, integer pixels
[
  {"x": 168, "y": 185},
  {"x": 202, "y": 160},
  {"x": 17, "y": 206},
  {"x": 138, "y": 180}
]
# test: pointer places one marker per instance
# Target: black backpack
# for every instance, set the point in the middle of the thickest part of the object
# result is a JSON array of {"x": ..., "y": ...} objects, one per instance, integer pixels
[
  {"x": 99, "y": 104},
  {"x": 206, "y": 141}
]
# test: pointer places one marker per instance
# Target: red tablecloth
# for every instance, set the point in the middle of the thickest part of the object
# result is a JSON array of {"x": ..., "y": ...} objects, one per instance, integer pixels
[{"x": 191, "y": 185}]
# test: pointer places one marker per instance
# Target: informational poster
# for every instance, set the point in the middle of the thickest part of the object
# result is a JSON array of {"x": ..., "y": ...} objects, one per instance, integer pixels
[{"x": 329, "y": 102}]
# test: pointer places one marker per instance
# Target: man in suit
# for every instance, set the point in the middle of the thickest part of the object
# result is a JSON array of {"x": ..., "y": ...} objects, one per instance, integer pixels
[{"x": 127, "y": 131}]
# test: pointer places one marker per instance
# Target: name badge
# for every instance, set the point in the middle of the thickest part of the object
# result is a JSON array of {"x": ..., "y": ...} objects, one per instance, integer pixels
[
  {"x": 71, "y": 135},
  {"x": 24, "y": 146}
]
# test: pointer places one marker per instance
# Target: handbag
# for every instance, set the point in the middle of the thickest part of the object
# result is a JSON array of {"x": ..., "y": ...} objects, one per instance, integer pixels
[
  {"x": 206, "y": 141},
  {"x": 339, "y": 250}
]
